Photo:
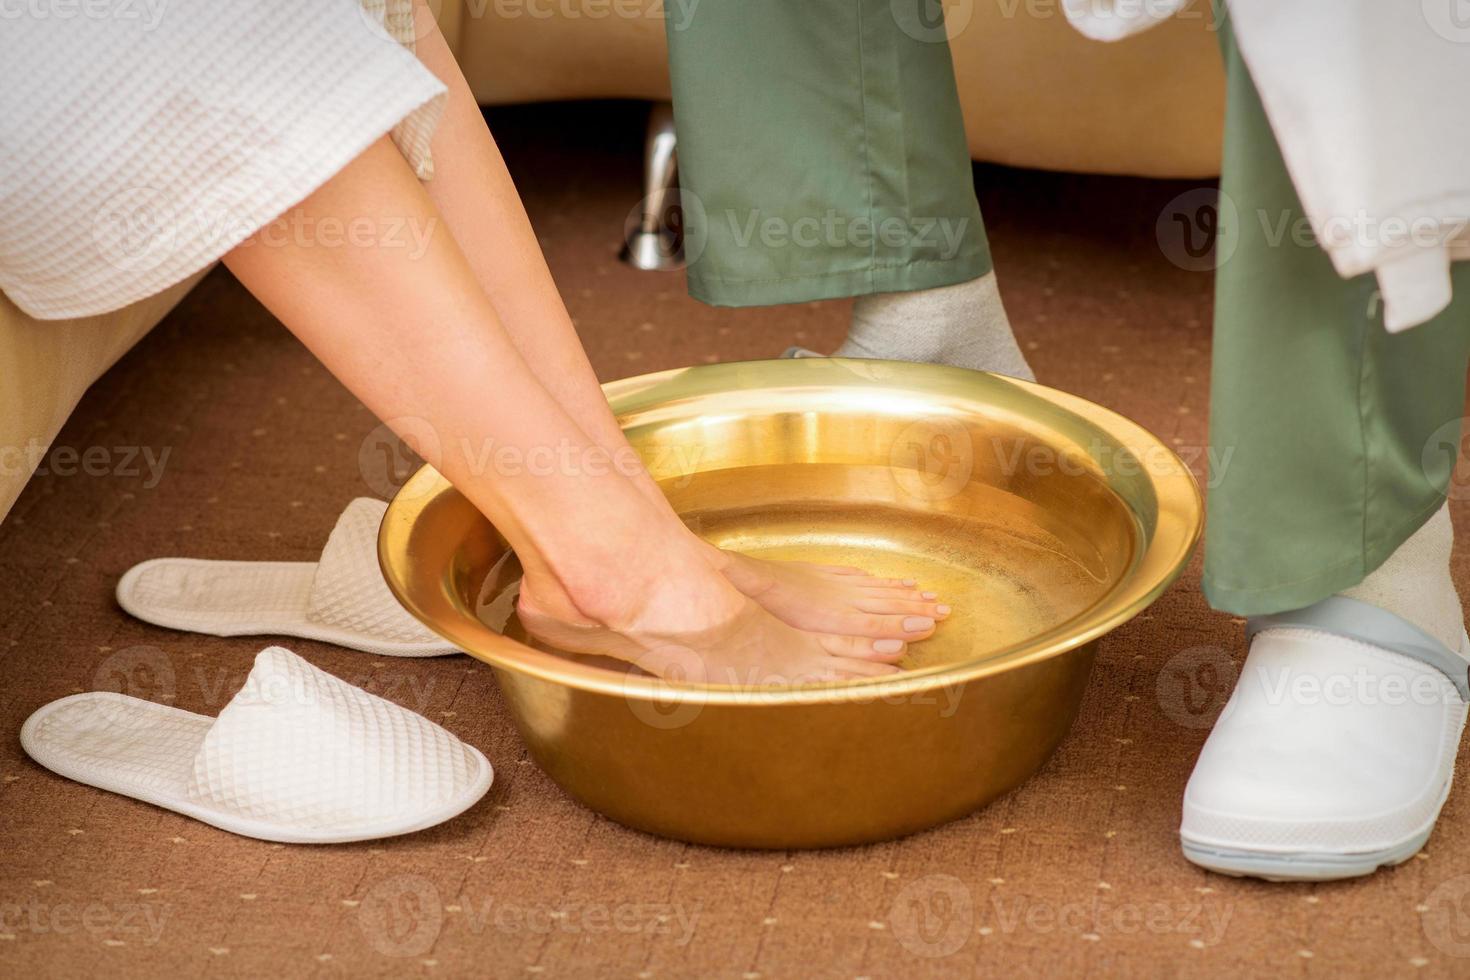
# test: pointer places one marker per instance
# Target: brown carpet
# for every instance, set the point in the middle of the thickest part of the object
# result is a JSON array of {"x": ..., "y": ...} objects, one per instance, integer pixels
[{"x": 1078, "y": 872}]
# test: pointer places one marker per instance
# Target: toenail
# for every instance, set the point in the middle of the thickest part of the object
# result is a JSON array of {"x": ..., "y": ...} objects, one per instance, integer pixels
[
  {"x": 942, "y": 610},
  {"x": 931, "y": 595},
  {"x": 917, "y": 624},
  {"x": 888, "y": 646},
  {"x": 910, "y": 581}
]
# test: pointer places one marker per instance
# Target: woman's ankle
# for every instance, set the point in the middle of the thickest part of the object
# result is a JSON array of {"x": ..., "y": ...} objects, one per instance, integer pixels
[{"x": 656, "y": 587}]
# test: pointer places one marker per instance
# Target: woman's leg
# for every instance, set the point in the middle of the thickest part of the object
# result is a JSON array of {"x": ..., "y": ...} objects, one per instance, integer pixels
[
  {"x": 414, "y": 335},
  {"x": 473, "y": 191}
]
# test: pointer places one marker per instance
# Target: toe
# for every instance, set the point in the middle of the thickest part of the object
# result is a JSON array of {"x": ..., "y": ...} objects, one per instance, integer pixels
[
  {"x": 903, "y": 607},
  {"x": 916, "y": 627},
  {"x": 878, "y": 582},
  {"x": 911, "y": 595},
  {"x": 848, "y": 668},
  {"x": 865, "y": 669},
  {"x": 879, "y": 626},
  {"x": 863, "y": 648}
]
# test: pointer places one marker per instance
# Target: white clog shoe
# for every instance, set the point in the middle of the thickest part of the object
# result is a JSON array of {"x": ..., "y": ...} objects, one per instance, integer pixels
[{"x": 1335, "y": 753}]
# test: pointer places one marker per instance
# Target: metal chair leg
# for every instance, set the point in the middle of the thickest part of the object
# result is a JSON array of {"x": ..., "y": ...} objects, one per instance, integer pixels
[{"x": 652, "y": 242}]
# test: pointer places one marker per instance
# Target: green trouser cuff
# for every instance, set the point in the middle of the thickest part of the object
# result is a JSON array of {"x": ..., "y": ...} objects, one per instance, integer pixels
[
  {"x": 1331, "y": 440},
  {"x": 822, "y": 152},
  {"x": 840, "y": 283},
  {"x": 1264, "y": 598}
]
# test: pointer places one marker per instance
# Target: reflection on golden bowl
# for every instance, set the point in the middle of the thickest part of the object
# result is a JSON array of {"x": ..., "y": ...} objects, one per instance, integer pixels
[{"x": 1043, "y": 519}]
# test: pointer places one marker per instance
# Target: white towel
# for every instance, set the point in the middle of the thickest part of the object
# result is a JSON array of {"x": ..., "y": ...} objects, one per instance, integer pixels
[
  {"x": 1367, "y": 99},
  {"x": 141, "y": 142}
]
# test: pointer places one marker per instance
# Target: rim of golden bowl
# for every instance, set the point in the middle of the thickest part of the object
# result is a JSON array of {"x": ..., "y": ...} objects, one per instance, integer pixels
[{"x": 1178, "y": 528}]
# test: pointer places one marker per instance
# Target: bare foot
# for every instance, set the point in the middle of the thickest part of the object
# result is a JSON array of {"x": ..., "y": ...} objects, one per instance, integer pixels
[
  {"x": 834, "y": 598},
  {"x": 820, "y": 598},
  {"x": 696, "y": 628}
]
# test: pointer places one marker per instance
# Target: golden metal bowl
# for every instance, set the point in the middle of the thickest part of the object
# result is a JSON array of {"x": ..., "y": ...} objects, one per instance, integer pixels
[{"x": 1045, "y": 520}]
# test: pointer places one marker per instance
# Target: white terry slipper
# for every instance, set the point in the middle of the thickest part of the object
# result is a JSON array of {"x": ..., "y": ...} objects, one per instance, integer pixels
[
  {"x": 1335, "y": 753},
  {"x": 340, "y": 599},
  {"x": 297, "y": 756}
]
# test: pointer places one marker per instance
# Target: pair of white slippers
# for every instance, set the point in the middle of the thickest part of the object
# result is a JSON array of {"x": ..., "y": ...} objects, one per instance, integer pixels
[{"x": 297, "y": 756}]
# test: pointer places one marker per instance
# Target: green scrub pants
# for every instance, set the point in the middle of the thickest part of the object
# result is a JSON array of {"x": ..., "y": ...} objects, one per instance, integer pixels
[
  {"x": 1332, "y": 440},
  {"x": 821, "y": 152}
]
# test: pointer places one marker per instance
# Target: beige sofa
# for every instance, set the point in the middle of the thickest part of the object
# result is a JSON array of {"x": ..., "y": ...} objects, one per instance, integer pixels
[
  {"x": 1035, "y": 92},
  {"x": 1035, "y": 95},
  {"x": 46, "y": 366}
]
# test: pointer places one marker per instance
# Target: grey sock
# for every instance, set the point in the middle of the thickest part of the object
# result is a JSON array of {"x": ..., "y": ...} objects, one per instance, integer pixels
[
  {"x": 1415, "y": 582},
  {"x": 964, "y": 325}
]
